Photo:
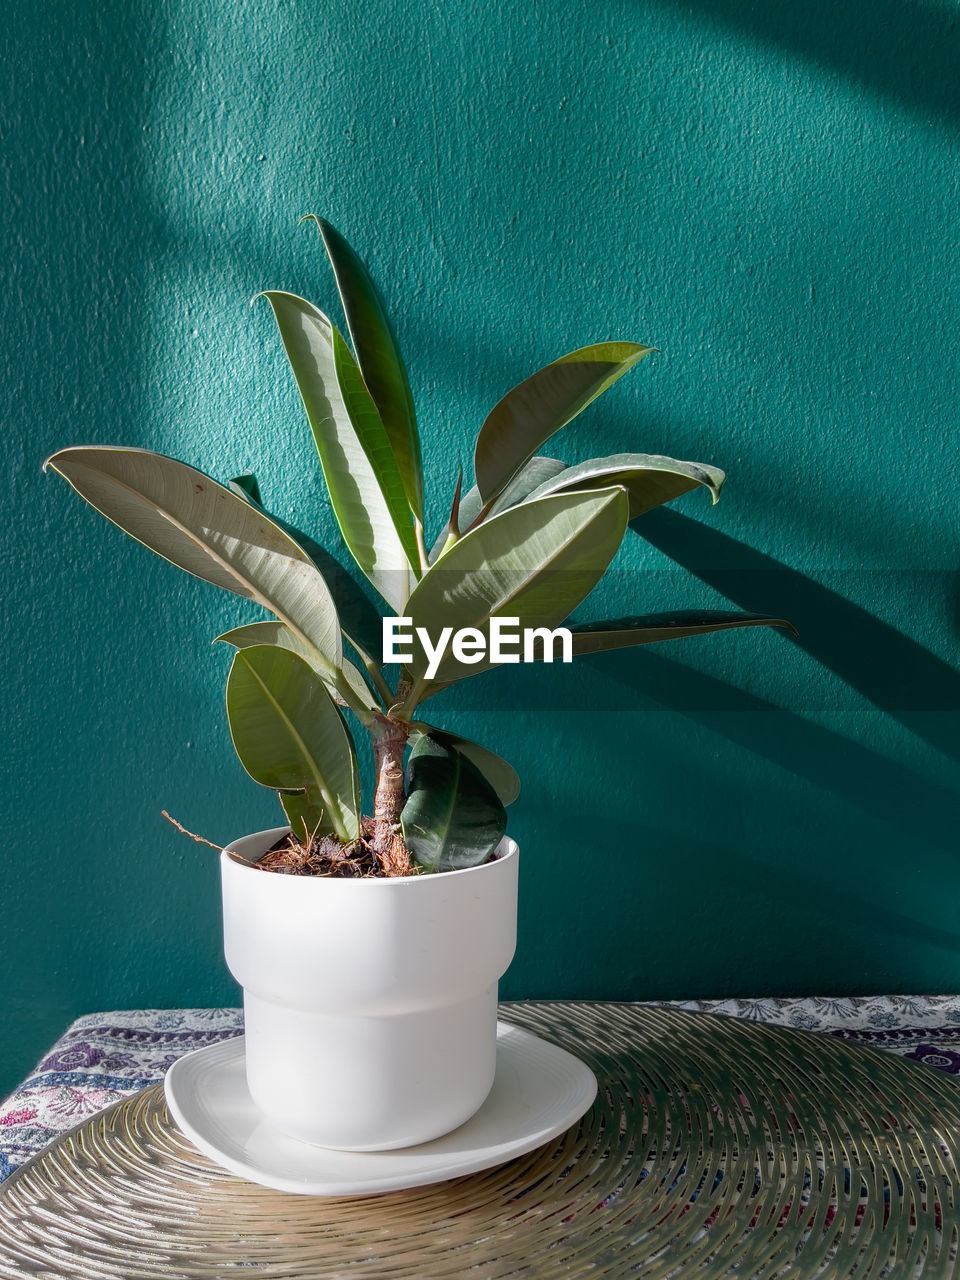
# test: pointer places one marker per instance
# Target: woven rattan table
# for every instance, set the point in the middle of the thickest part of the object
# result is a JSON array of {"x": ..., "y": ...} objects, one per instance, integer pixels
[{"x": 716, "y": 1147}]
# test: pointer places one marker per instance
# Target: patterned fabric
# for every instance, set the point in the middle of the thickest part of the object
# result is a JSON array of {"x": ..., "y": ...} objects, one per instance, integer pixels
[
  {"x": 101, "y": 1059},
  {"x": 106, "y": 1056}
]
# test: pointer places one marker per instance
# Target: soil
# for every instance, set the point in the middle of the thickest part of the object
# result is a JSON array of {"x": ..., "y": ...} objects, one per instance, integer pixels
[{"x": 325, "y": 856}]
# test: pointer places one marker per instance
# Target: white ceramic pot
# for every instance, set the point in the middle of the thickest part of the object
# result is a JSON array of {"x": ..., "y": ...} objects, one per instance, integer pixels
[{"x": 370, "y": 1005}]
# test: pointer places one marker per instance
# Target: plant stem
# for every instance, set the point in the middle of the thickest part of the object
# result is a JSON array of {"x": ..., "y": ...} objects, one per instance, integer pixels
[
  {"x": 421, "y": 548},
  {"x": 381, "y": 686},
  {"x": 410, "y": 693},
  {"x": 390, "y": 740}
]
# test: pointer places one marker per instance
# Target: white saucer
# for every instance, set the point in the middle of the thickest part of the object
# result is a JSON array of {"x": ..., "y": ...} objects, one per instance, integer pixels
[{"x": 539, "y": 1091}]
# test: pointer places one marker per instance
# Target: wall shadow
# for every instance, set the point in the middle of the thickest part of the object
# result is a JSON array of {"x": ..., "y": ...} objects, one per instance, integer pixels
[
  {"x": 895, "y": 673},
  {"x": 769, "y": 890},
  {"x": 882, "y": 788},
  {"x": 909, "y": 54},
  {"x": 668, "y": 930}
]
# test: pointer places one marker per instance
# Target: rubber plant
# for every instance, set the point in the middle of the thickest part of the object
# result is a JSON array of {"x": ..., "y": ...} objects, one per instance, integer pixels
[{"x": 528, "y": 541}]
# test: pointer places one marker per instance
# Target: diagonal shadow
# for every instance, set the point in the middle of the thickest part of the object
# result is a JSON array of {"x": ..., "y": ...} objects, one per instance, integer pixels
[
  {"x": 893, "y": 672},
  {"x": 769, "y": 885},
  {"x": 909, "y": 53},
  {"x": 884, "y": 789}
]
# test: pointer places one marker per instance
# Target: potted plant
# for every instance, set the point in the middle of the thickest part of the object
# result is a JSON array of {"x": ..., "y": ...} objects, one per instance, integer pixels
[{"x": 370, "y": 956}]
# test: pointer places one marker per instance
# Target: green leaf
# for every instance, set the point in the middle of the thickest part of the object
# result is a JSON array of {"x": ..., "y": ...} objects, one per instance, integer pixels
[
  {"x": 501, "y": 775},
  {"x": 452, "y": 528},
  {"x": 649, "y": 479},
  {"x": 452, "y": 818},
  {"x": 623, "y": 633},
  {"x": 365, "y": 487},
  {"x": 246, "y": 487},
  {"x": 290, "y": 736},
  {"x": 359, "y": 620},
  {"x": 530, "y": 476},
  {"x": 202, "y": 527},
  {"x": 535, "y": 562},
  {"x": 303, "y": 816},
  {"x": 256, "y": 633},
  {"x": 379, "y": 358},
  {"x": 532, "y": 412}
]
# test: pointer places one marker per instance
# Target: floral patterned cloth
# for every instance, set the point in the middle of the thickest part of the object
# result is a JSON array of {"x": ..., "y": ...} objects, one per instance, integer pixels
[
  {"x": 106, "y": 1056},
  {"x": 102, "y": 1058}
]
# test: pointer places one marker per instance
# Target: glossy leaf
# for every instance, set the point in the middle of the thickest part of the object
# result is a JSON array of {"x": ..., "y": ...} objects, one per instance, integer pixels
[
  {"x": 359, "y": 620},
  {"x": 365, "y": 487},
  {"x": 452, "y": 818},
  {"x": 501, "y": 775},
  {"x": 452, "y": 528},
  {"x": 304, "y": 817},
  {"x": 535, "y": 562},
  {"x": 379, "y": 358},
  {"x": 202, "y": 527},
  {"x": 530, "y": 476},
  {"x": 246, "y": 487},
  {"x": 532, "y": 412},
  {"x": 623, "y": 633},
  {"x": 649, "y": 479},
  {"x": 290, "y": 736},
  {"x": 255, "y": 633}
]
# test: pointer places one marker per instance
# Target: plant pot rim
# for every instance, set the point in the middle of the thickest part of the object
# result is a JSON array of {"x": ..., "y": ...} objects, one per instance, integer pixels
[{"x": 507, "y": 850}]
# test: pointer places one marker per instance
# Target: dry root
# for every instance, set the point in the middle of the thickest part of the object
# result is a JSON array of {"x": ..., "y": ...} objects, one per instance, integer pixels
[
  {"x": 319, "y": 856},
  {"x": 394, "y": 856},
  {"x": 199, "y": 839},
  {"x": 326, "y": 856}
]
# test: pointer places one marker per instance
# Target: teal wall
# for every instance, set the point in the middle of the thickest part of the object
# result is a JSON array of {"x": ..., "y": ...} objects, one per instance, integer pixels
[{"x": 767, "y": 193}]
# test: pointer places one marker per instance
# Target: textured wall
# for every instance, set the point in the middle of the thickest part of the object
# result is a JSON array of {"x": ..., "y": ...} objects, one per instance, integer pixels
[{"x": 767, "y": 193}]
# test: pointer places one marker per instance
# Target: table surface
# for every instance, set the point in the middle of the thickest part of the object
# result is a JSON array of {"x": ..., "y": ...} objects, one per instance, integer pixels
[
  {"x": 104, "y": 1057},
  {"x": 717, "y": 1145}
]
